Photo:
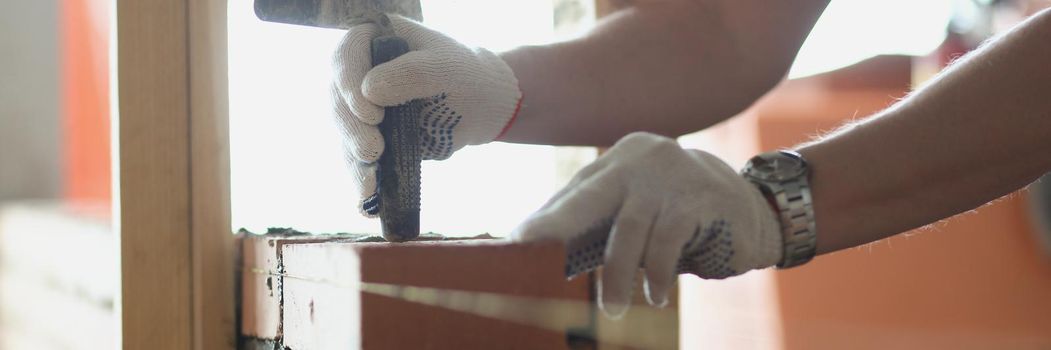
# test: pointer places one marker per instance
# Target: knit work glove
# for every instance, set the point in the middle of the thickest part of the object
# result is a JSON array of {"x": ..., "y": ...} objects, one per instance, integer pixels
[
  {"x": 649, "y": 203},
  {"x": 469, "y": 96}
]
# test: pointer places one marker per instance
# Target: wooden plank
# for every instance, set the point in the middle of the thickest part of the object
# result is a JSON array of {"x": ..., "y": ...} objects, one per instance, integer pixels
[
  {"x": 213, "y": 244},
  {"x": 177, "y": 253},
  {"x": 154, "y": 174}
]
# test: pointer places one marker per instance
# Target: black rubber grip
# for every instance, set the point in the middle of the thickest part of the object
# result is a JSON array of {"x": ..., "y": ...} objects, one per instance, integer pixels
[{"x": 399, "y": 166}]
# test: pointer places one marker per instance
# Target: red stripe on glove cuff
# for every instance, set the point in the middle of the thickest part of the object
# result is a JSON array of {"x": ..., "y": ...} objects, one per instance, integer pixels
[{"x": 518, "y": 107}]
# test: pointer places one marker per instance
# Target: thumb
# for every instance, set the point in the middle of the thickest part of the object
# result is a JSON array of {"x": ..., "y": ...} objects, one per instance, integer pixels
[{"x": 414, "y": 75}]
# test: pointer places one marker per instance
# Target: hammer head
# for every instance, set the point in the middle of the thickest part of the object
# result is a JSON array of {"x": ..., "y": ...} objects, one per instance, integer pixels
[{"x": 340, "y": 14}]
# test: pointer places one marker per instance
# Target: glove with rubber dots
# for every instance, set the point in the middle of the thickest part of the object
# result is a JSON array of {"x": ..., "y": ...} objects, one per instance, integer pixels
[
  {"x": 469, "y": 96},
  {"x": 648, "y": 203}
]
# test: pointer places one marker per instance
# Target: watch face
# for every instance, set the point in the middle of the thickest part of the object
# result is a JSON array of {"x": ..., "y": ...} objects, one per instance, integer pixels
[{"x": 776, "y": 166}]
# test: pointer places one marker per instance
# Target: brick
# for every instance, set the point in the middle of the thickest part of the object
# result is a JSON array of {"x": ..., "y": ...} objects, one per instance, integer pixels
[
  {"x": 324, "y": 307},
  {"x": 328, "y": 292},
  {"x": 261, "y": 282}
]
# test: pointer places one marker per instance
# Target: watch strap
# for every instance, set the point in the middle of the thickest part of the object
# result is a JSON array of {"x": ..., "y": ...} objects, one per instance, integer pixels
[
  {"x": 789, "y": 190},
  {"x": 796, "y": 214}
]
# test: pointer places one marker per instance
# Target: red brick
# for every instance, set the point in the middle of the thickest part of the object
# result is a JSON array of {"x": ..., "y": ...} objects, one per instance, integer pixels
[
  {"x": 261, "y": 283},
  {"x": 315, "y": 297},
  {"x": 324, "y": 307}
]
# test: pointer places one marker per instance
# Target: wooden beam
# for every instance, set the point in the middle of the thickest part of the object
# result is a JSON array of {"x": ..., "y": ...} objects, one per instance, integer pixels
[
  {"x": 213, "y": 244},
  {"x": 173, "y": 203},
  {"x": 154, "y": 167}
]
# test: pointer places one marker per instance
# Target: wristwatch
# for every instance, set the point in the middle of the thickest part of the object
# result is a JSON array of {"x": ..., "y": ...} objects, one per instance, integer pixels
[{"x": 783, "y": 177}]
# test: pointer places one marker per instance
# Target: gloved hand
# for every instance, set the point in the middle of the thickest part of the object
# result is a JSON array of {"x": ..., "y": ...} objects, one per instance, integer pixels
[
  {"x": 649, "y": 203},
  {"x": 470, "y": 96}
]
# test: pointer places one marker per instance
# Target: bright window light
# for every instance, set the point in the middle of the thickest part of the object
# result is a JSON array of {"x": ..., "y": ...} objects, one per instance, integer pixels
[
  {"x": 287, "y": 166},
  {"x": 286, "y": 163},
  {"x": 853, "y": 30}
]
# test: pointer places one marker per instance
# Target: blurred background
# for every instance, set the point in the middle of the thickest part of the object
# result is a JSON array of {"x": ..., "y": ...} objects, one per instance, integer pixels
[{"x": 980, "y": 281}]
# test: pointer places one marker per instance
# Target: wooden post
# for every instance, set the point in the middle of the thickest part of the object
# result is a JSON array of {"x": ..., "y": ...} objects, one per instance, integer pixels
[
  {"x": 213, "y": 244},
  {"x": 172, "y": 171}
]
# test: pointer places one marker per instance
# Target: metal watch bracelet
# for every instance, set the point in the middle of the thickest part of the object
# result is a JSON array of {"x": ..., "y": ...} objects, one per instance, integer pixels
[
  {"x": 783, "y": 176},
  {"x": 796, "y": 214}
]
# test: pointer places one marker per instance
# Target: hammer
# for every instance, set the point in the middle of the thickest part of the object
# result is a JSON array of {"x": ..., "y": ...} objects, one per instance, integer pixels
[{"x": 399, "y": 166}]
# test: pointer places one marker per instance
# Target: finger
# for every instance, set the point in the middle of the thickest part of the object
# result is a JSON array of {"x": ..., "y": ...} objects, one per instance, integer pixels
[
  {"x": 351, "y": 61},
  {"x": 627, "y": 242},
  {"x": 585, "y": 249},
  {"x": 585, "y": 173},
  {"x": 416, "y": 34},
  {"x": 670, "y": 233},
  {"x": 414, "y": 75},
  {"x": 363, "y": 142},
  {"x": 591, "y": 202},
  {"x": 709, "y": 256},
  {"x": 365, "y": 181}
]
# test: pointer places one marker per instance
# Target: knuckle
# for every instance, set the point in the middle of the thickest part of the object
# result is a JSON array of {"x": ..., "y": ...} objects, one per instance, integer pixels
[
  {"x": 630, "y": 223},
  {"x": 367, "y": 156},
  {"x": 378, "y": 81},
  {"x": 402, "y": 25},
  {"x": 702, "y": 156},
  {"x": 367, "y": 148},
  {"x": 365, "y": 111},
  {"x": 618, "y": 176},
  {"x": 539, "y": 227},
  {"x": 415, "y": 65},
  {"x": 708, "y": 159},
  {"x": 640, "y": 137},
  {"x": 667, "y": 146},
  {"x": 587, "y": 172},
  {"x": 652, "y": 142},
  {"x": 357, "y": 39},
  {"x": 659, "y": 240}
]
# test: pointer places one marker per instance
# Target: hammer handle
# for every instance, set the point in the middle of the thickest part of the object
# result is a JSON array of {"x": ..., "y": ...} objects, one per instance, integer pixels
[{"x": 399, "y": 165}]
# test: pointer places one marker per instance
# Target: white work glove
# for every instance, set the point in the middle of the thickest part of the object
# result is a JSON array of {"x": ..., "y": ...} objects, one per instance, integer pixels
[
  {"x": 470, "y": 96},
  {"x": 649, "y": 203}
]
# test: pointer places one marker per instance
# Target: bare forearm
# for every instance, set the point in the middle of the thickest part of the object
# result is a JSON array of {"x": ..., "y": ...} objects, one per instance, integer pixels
[
  {"x": 668, "y": 67},
  {"x": 979, "y": 131}
]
